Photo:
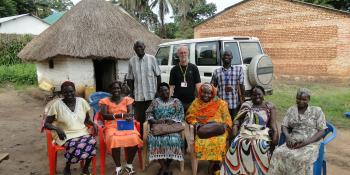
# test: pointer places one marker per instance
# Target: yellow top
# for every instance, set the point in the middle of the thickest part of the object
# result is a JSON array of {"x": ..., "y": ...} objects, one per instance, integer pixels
[{"x": 72, "y": 123}]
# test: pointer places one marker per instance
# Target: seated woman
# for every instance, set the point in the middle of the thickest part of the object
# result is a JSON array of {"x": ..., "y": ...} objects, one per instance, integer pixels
[
  {"x": 165, "y": 148},
  {"x": 251, "y": 149},
  {"x": 303, "y": 127},
  {"x": 207, "y": 109},
  {"x": 69, "y": 117},
  {"x": 116, "y": 108}
]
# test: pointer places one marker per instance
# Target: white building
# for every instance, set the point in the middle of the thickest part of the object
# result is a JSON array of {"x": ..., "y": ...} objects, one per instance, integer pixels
[{"x": 22, "y": 24}]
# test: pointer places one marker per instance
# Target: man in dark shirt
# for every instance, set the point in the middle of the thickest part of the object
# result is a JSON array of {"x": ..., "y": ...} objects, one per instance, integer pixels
[{"x": 184, "y": 78}]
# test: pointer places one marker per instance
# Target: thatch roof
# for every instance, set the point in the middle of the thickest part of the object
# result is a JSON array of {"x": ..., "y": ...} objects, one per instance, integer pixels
[{"x": 91, "y": 29}]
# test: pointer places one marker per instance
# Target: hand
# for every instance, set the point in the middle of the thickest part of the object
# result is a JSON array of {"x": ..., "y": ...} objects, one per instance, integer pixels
[
  {"x": 290, "y": 142},
  {"x": 228, "y": 89},
  {"x": 169, "y": 122},
  {"x": 95, "y": 129},
  {"x": 235, "y": 131},
  {"x": 129, "y": 117},
  {"x": 299, "y": 145},
  {"x": 61, "y": 134}
]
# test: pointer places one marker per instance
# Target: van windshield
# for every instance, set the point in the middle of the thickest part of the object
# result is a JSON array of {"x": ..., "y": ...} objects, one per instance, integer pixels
[
  {"x": 162, "y": 55},
  {"x": 249, "y": 50}
]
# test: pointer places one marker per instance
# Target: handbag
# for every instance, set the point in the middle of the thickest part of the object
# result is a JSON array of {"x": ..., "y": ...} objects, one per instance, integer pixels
[
  {"x": 210, "y": 130},
  {"x": 164, "y": 128}
]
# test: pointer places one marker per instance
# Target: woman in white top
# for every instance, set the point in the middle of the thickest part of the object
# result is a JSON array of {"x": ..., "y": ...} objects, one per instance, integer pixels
[{"x": 68, "y": 117}]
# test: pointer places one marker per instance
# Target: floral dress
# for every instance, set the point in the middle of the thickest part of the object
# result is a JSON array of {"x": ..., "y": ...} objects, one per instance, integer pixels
[
  {"x": 216, "y": 110},
  {"x": 249, "y": 151},
  {"x": 165, "y": 146},
  {"x": 303, "y": 127}
]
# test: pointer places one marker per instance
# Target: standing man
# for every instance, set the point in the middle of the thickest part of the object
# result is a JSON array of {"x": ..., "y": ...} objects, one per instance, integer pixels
[
  {"x": 184, "y": 78},
  {"x": 143, "y": 79},
  {"x": 228, "y": 79}
]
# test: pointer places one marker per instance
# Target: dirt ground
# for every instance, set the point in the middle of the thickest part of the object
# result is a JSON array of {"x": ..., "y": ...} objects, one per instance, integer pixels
[{"x": 20, "y": 136}]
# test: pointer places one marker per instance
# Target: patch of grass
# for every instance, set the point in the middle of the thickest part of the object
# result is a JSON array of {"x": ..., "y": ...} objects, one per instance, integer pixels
[
  {"x": 18, "y": 74},
  {"x": 333, "y": 99}
]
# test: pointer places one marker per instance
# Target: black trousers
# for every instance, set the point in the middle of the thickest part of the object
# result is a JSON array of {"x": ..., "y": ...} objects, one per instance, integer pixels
[
  {"x": 140, "y": 109},
  {"x": 233, "y": 113}
]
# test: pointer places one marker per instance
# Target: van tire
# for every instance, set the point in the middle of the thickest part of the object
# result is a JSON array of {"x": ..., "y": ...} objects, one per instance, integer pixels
[{"x": 260, "y": 71}]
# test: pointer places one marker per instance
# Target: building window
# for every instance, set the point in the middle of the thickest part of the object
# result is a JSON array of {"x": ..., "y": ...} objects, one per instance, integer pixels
[{"x": 51, "y": 65}]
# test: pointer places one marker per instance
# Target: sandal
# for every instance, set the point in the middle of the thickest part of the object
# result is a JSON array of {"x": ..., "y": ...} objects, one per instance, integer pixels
[
  {"x": 130, "y": 171},
  {"x": 120, "y": 172}
]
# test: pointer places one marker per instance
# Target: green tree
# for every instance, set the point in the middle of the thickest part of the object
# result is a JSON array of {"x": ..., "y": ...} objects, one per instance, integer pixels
[
  {"x": 164, "y": 7},
  {"x": 197, "y": 14},
  {"x": 170, "y": 30},
  {"x": 7, "y": 8},
  {"x": 341, "y": 4},
  {"x": 25, "y": 6},
  {"x": 141, "y": 11},
  {"x": 337, "y": 4}
]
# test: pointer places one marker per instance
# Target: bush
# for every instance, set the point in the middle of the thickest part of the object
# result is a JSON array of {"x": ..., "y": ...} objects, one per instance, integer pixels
[
  {"x": 10, "y": 46},
  {"x": 19, "y": 74}
]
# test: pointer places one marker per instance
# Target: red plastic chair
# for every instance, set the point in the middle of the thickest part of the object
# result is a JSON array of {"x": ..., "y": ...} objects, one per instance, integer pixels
[
  {"x": 99, "y": 120},
  {"x": 52, "y": 150}
]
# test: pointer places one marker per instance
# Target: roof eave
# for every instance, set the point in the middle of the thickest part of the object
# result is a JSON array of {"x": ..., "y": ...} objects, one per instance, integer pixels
[{"x": 306, "y": 3}]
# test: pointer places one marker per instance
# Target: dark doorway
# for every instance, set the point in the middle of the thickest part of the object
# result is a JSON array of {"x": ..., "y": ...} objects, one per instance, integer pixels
[{"x": 105, "y": 74}]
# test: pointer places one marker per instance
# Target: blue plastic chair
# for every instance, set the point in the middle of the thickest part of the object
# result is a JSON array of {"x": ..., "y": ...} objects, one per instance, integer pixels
[
  {"x": 95, "y": 98},
  {"x": 347, "y": 114},
  {"x": 320, "y": 165}
]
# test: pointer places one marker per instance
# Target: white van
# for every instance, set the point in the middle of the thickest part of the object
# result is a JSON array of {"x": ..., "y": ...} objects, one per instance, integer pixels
[{"x": 206, "y": 53}]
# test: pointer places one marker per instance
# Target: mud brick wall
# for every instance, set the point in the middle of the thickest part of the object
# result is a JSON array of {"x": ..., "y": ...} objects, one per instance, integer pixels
[{"x": 304, "y": 41}]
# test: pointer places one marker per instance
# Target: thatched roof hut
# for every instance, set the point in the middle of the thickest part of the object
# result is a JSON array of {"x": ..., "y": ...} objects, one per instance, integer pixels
[
  {"x": 90, "y": 45},
  {"x": 91, "y": 29}
]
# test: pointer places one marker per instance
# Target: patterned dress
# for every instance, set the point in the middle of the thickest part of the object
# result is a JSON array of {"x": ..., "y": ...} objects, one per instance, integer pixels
[
  {"x": 303, "y": 127},
  {"x": 216, "y": 110},
  {"x": 166, "y": 146},
  {"x": 249, "y": 152}
]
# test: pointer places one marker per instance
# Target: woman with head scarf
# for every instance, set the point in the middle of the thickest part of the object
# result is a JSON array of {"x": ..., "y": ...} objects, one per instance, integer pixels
[
  {"x": 68, "y": 117},
  {"x": 206, "y": 110},
  {"x": 303, "y": 126}
]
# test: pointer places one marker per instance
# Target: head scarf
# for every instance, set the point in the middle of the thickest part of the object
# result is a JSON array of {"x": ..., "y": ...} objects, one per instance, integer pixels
[{"x": 212, "y": 88}]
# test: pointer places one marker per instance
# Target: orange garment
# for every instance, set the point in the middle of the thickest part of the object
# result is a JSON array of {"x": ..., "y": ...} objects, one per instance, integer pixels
[
  {"x": 112, "y": 136},
  {"x": 216, "y": 110}
]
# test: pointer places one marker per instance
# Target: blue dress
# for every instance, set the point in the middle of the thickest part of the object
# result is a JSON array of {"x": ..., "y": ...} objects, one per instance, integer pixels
[{"x": 165, "y": 146}]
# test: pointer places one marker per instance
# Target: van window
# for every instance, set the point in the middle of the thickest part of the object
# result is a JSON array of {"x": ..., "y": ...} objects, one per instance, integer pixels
[
  {"x": 249, "y": 50},
  {"x": 206, "y": 53},
  {"x": 175, "y": 57},
  {"x": 233, "y": 47},
  {"x": 163, "y": 55}
]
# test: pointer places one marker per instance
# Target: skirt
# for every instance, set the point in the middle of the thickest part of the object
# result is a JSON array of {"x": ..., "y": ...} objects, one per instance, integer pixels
[{"x": 80, "y": 148}]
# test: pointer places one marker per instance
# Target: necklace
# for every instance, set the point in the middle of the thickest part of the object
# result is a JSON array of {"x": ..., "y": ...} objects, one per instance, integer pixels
[{"x": 183, "y": 72}]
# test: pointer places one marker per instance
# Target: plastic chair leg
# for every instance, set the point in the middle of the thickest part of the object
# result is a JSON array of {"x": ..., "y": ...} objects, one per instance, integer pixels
[
  {"x": 324, "y": 168},
  {"x": 52, "y": 166},
  {"x": 102, "y": 159},
  {"x": 194, "y": 162}
]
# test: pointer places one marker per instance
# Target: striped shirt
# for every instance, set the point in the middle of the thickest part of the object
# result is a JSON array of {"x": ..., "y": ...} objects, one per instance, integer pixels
[
  {"x": 144, "y": 72},
  {"x": 228, "y": 77}
]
